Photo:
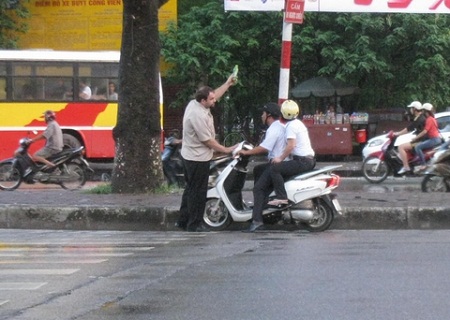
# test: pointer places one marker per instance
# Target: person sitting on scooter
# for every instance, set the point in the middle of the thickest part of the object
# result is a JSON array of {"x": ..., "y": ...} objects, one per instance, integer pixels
[
  {"x": 272, "y": 145},
  {"x": 418, "y": 124},
  {"x": 171, "y": 145},
  {"x": 431, "y": 131},
  {"x": 298, "y": 149},
  {"x": 54, "y": 139}
]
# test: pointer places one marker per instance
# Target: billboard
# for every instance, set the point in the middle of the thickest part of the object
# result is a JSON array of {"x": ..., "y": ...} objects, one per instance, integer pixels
[
  {"x": 399, "y": 6},
  {"x": 81, "y": 24}
]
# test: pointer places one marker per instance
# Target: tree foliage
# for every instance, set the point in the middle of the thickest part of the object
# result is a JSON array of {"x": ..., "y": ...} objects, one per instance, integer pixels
[
  {"x": 137, "y": 164},
  {"x": 13, "y": 16},
  {"x": 206, "y": 44},
  {"x": 393, "y": 58}
]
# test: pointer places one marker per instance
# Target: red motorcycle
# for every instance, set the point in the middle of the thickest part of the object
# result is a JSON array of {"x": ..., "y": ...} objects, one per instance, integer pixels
[{"x": 380, "y": 164}]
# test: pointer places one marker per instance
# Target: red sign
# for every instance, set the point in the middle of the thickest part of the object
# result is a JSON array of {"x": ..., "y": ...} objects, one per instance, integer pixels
[{"x": 294, "y": 11}]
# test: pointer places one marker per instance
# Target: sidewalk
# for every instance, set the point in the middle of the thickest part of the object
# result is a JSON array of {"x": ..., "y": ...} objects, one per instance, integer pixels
[{"x": 50, "y": 207}]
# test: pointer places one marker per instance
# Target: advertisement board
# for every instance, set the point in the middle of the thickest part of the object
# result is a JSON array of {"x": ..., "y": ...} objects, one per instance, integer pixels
[
  {"x": 81, "y": 24},
  {"x": 399, "y": 6}
]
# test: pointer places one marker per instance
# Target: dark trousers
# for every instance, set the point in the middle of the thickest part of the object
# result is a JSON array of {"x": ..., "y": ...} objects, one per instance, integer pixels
[
  {"x": 261, "y": 191},
  {"x": 285, "y": 169},
  {"x": 193, "y": 201},
  {"x": 170, "y": 172}
]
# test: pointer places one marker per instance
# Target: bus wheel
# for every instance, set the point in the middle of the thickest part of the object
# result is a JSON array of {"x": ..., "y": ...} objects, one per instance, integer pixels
[{"x": 70, "y": 141}]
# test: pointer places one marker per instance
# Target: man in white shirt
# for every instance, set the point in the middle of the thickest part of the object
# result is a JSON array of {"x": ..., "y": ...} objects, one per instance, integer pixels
[
  {"x": 273, "y": 144},
  {"x": 298, "y": 151}
]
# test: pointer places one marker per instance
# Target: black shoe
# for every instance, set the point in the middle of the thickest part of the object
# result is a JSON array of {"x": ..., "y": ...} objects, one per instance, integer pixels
[
  {"x": 254, "y": 227},
  {"x": 199, "y": 229},
  {"x": 181, "y": 225}
]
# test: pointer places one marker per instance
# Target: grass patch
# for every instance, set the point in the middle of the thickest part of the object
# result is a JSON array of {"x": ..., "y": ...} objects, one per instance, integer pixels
[
  {"x": 100, "y": 189},
  {"x": 107, "y": 189}
]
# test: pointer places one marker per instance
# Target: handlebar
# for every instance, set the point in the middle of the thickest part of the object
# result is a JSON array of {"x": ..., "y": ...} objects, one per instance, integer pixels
[{"x": 243, "y": 145}]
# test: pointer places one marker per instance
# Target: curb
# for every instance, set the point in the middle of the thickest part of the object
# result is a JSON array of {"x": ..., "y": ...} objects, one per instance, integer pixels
[{"x": 163, "y": 219}]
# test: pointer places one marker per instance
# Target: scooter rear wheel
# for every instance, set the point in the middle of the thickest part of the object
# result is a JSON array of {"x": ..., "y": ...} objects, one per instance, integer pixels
[
  {"x": 322, "y": 219},
  {"x": 375, "y": 170},
  {"x": 10, "y": 176},
  {"x": 433, "y": 183},
  {"x": 216, "y": 215}
]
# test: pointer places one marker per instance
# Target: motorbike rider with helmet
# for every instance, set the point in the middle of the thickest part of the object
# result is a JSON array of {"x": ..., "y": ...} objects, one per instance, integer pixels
[
  {"x": 430, "y": 131},
  {"x": 54, "y": 139},
  {"x": 418, "y": 124},
  {"x": 298, "y": 149},
  {"x": 272, "y": 145},
  {"x": 171, "y": 145}
]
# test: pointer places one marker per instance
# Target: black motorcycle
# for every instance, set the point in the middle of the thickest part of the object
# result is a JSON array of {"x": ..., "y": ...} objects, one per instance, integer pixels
[
  {"x": 69, "y": 172},
  {"x": 173, "y": 163},
  {"x": 437, "y": 175}
]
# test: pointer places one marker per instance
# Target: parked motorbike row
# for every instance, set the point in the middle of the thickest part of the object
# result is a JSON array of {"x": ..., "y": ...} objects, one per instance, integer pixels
[
  {"x": 385, "y": 162},
  {"x": 70, "y": 170}
]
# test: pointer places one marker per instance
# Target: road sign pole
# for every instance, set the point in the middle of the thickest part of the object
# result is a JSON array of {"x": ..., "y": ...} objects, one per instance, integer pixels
[
  {"x": 283, "y": 89},
  {"x": 293, "y": 13}
]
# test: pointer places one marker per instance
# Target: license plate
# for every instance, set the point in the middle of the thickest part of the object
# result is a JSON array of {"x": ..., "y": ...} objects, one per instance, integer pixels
[{"x": 337, "y": 206}]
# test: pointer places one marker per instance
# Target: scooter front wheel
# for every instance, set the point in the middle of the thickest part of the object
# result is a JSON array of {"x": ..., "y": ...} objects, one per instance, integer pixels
[
  {"x": 433, "y": 183},
  {"x": 216, "y": 216},
  {"x": 10, "y": 176},
  {"x": 322, "y": 219},
  {"x": 375, "y": 170}
]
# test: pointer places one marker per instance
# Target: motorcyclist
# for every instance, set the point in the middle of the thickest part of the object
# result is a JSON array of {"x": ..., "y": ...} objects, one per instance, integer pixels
[
  {"x": 298, "y": 150},
  {"x": 418, "y": 124},
  {"x": 272, "y": 145},
  {"x": 430, "y": 131},
  {"x": 171, "y": 145},
  {"x": 54, "y": 139}
]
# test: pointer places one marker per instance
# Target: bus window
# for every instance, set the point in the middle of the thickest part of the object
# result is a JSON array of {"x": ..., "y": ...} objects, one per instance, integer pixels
[
  {"x": 99, "y": 70},
  {"x": 55, "y": 70},
  {"x": 104, "y": 89},
  {"x": 58, "y": 88},
  {"x": 28, "y": 89},
  {"x": 2, "y": 88}
]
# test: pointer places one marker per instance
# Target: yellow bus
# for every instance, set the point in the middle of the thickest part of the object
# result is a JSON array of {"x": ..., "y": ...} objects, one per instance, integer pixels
[{"x": 79, "y": 86}]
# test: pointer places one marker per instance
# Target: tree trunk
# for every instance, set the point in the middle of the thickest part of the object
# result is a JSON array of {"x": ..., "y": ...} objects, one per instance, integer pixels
[{"x": 137, "y": 163}]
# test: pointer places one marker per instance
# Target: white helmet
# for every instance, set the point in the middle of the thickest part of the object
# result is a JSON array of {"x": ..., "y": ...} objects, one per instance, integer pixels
[
  {"x": 427, "y": 106},
  {"x": 289, "y": 109},
  {"x": 416, "y": 105}
]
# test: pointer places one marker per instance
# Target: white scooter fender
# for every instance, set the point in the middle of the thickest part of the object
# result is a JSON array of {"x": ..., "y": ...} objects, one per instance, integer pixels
[
  {"x": 309, "y": 185},
  {"x": 218, "y": 192}
]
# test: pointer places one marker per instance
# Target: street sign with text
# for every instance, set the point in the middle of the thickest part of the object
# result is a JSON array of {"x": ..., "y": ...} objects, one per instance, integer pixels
[{"x": 294, "y": 11}]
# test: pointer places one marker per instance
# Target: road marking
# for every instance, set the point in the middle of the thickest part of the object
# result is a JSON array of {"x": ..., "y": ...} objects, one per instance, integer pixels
[
  {"x": 2, "y": 302},
  {"x": 38, "y": 271},
  {"x": 74, "y": 261},
  {"x": 14, "y": 248},
  {"x": 66, "y": 255},
  {"x": 21, "y": 285}
]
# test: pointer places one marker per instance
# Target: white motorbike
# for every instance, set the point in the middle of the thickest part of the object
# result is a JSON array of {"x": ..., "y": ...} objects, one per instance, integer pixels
[{"x": 311, "y": 201}]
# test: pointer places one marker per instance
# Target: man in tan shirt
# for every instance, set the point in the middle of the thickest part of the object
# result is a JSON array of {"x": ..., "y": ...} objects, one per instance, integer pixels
[{"x": 199, "y": 144}]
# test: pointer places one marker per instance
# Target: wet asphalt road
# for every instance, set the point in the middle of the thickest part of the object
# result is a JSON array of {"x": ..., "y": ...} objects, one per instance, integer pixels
[{"x": 86, "y": 275}]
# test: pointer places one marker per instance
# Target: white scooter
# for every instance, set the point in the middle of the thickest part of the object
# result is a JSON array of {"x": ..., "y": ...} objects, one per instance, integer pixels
[{"x": 311, "y": 201}]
